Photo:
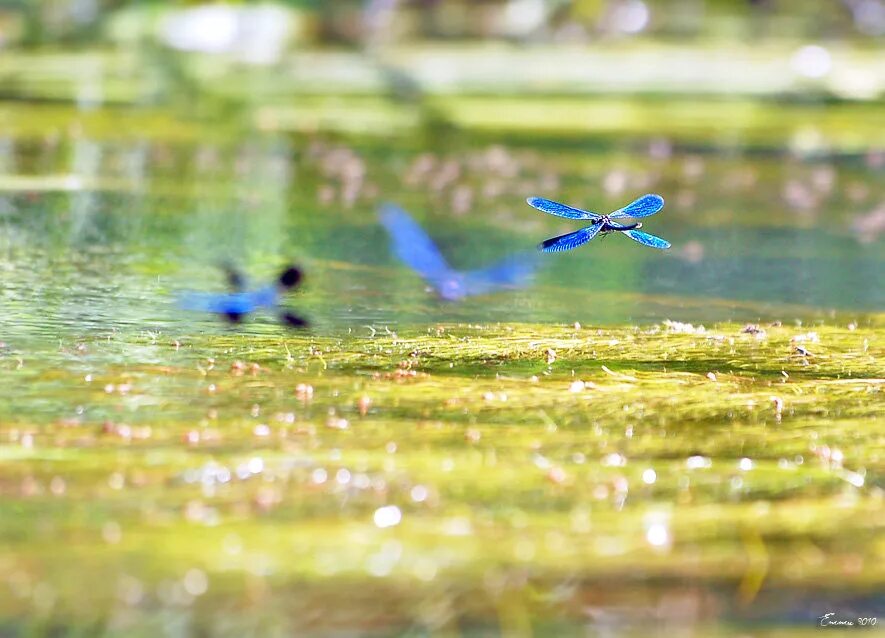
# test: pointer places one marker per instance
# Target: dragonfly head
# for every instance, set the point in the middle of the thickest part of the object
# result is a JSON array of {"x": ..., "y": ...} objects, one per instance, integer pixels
[{"x": 638, "y": 224}]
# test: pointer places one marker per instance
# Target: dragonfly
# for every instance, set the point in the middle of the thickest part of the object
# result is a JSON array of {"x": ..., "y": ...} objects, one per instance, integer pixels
[
  {"x": 645, "y": 206},
  {"x": 235, "y": 305},
  {"x": 416, "y": 250}
]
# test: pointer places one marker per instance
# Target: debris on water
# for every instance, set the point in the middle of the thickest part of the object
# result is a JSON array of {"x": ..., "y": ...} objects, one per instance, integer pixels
[
  {"x": 387, "y": 516},
  {"x": 363, "y": 404},
  {"x": 697, "y": 462},
  {"x": 337, "y": 423},
  {"x": 778, "y": 407},
  {"x": 691, "y": 252},
  {"x": 869, "y": 226},
  {"x": 658, "y": 535},
  {"x": 261, "y": 430},
  {"x": 304, "y": 392},
  {"x": 854, "y": 478},
  {"x": 57, "y": 486},
  {"x": 683, "y": 328},
  {"x": 195, "y": 582},
  {"x": 832, "y": 458},
  {"x": 556, "y": 475},
  {"x": 111, "y": 532}
]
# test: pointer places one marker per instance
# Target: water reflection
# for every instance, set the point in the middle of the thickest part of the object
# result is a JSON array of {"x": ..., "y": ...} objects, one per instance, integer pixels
[
  {"x": 151, "y": 218},
  {"x": 415, "y": 249},
  {"x": 235, "y": 305}
]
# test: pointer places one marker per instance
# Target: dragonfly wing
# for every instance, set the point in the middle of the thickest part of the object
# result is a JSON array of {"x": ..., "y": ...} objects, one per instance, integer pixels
[
  {"x": 290, "y": 277},
  {"x": 511, "y": 272},
  {"x": 643, "y": 207},
  {"x": 293, "y": 320},
  {"x": 560, "y": 210},
  {"x": 648, "y": 240},
  {"x": 412, "y": 245},
  {"x": 235, "y": 279},
  {"x": 569, "y": 241}
]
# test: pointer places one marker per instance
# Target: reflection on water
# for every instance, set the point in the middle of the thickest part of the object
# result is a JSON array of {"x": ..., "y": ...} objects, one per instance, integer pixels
[
  {"x": 416, "y": 250},
  {"x": 100, "y": 234}
]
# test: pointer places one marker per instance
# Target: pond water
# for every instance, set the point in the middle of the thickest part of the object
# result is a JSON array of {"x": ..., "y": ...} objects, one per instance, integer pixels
[
  {"x": 410, "y": 465},
  {"x": 104, "y": 232}
]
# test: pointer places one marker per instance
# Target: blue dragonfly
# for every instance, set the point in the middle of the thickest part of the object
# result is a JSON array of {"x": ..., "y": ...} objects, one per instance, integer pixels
[
  {"x": 235, "y": 305},
  {"x": 645, "y": 206},
  {"x": 416, "y": 249}
]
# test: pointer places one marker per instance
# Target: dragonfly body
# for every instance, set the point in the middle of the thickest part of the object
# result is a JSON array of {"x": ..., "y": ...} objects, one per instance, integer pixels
[
  {"x": 645, "y": 206},
  {"x": 233, "y": 305}
]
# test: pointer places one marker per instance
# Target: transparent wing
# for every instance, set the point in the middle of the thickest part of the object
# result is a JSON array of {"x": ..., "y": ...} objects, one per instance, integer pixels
[
  {"x": 569, "y": 241},
  {"x": 235, "y": 279},
  {"x": 560, "y": 210},
  {"x": 411, "y": 244},
  {"x": 515, "y": 271},
  {"x": 643, "y": 207},
  {"x": 648, "y": 240}
]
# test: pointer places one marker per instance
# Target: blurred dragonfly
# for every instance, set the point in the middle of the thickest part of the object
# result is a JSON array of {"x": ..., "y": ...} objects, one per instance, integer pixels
[
  {"x": 235, "y": 305},
  {"x": 645, "y": 206},
  {"x": 416, "y": 249}
]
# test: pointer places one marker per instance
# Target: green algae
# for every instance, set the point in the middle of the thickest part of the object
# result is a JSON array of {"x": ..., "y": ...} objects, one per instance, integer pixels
[{"x": 538, "y": 470}]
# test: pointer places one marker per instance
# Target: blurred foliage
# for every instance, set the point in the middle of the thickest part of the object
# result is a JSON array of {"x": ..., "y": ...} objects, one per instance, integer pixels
[{"x": 348, "y": 21}]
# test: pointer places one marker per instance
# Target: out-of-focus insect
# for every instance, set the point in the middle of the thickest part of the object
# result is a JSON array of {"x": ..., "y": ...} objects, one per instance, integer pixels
[
  {"x": 235, "y": 305},
  {"x": 645, "y": 206},
  {"x": 416, "y": 249}
]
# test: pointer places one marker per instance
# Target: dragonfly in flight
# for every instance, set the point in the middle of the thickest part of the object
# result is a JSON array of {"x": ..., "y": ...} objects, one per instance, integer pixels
[
  {"x": 416, "y": 249},
  {"x": 235, "y": 305},
  {"x": 645, "y": 206}
]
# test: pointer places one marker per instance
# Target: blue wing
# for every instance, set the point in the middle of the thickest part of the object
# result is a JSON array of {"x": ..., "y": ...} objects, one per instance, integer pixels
[
  {"x": 560, "y": 210},
  {"x": 511, "y": 272},
  {"x": 569, "y": 241},
  {"x": 412, "y": 245},
  {"x": 643, "y": 207},
  {"x": 648, "y": 240}
]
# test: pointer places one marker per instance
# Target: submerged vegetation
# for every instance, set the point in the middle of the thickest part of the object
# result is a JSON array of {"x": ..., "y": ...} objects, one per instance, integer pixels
[{"x": 505, "y": 475}]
